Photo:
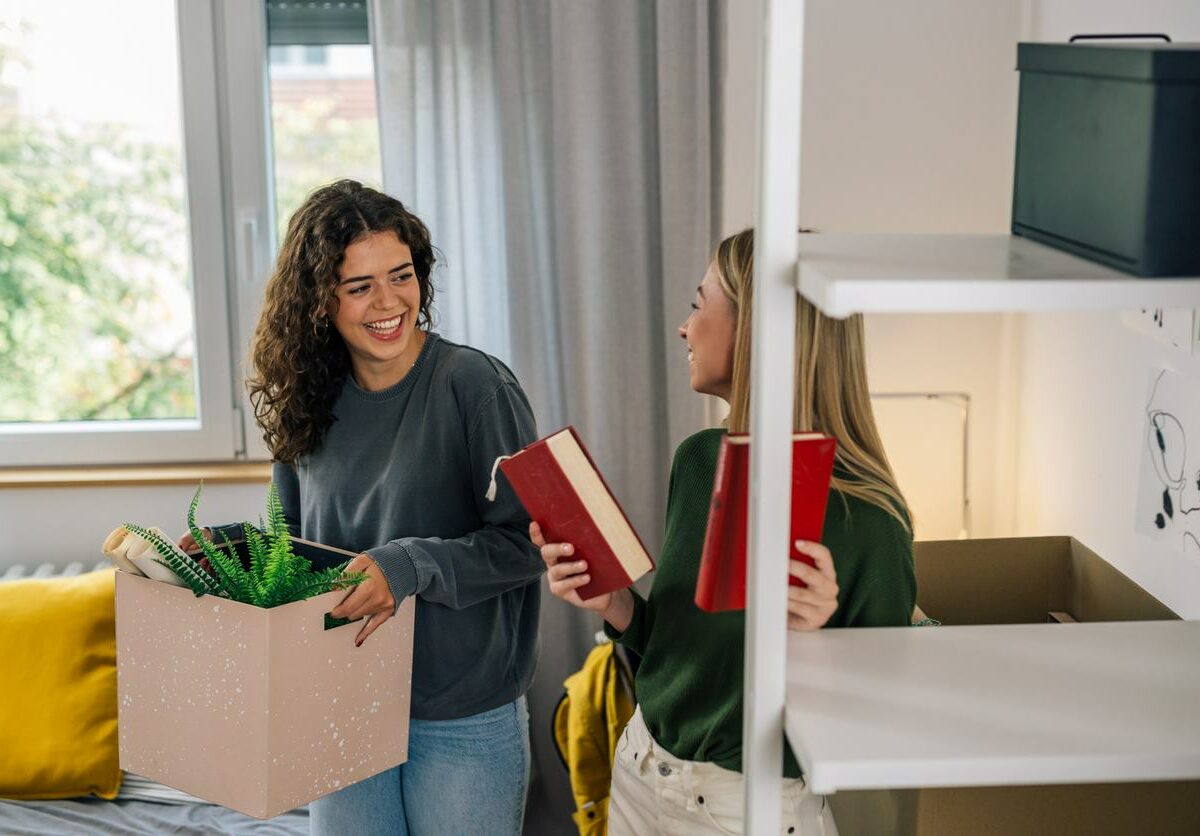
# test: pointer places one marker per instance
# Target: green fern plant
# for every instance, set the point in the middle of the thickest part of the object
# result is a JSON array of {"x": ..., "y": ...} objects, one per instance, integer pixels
[{"x": 276, "y": 575}]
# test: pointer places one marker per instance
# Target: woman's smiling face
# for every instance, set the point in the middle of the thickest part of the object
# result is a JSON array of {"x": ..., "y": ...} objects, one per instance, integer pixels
[
  {"x": 375, "y": 309},
  {"x": 709, "y": 334}
]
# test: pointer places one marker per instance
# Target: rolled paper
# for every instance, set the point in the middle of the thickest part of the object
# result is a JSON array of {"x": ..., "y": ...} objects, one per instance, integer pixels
[
  {"x": 145, "y": 557},
  {"x": 116, "y": 547}
]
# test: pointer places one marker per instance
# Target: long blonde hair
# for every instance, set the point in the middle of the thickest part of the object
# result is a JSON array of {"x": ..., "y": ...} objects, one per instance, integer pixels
[{"x": 831, "y": 393}]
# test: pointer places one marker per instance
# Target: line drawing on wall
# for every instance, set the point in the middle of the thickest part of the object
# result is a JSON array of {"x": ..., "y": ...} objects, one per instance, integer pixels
[{"x": 1168, "y": 501}]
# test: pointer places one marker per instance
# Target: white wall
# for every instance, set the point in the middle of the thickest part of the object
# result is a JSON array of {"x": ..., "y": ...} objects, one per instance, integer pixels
[
  {"x": 908, "y": 125},
  {"x": 1086, "y": 378},
  {"x": 62, "y": 525},
  {"x": 908, "y": 121}
]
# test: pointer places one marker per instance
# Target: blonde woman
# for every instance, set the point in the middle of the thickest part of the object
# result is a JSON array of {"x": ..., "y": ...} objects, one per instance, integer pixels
[{"x": 678, "y": 764}]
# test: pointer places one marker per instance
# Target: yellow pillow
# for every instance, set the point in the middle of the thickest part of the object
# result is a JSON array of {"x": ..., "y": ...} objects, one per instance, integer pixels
[{"x": 58, "y": 697}]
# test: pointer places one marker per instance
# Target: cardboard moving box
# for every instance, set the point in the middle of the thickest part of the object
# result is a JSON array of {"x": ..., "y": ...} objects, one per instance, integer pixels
[
  {"x": 1020, "y": 581},
  {"x": 260, "y": 710}
]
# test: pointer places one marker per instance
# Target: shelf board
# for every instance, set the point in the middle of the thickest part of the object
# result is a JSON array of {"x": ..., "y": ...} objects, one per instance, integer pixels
[
  {"x": 893, "y": 708},
  {"x": 844, "y": 274}
]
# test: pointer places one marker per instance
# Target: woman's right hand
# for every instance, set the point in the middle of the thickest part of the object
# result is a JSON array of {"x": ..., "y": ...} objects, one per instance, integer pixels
[
  {"x": 188, "y": 543},
  {"x": 567, "y": 575}
]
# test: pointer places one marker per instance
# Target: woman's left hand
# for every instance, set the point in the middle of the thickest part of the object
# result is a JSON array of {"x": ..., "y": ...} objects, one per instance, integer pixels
[
  {"x": 809, "y": 608},
  {"x": 372, "y": 598}
]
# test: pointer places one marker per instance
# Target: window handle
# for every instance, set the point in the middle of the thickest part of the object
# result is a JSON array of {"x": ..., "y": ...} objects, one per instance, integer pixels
[{"x": 248, "y": 221}]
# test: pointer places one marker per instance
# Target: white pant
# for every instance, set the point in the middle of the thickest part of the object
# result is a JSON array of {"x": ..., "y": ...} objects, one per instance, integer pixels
[{"x": 654, "y": 792}]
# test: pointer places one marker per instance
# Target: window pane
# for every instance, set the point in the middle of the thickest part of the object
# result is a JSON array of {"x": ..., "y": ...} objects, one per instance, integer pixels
[
  {"x": 324, "y": 123},
  {"x": 95, "y": 297}
]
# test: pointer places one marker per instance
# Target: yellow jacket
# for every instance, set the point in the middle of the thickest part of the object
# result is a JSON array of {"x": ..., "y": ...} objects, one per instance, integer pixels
[{"x": 588, "y": 722}]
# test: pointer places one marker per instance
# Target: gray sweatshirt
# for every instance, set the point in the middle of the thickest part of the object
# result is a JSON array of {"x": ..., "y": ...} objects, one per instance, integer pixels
[{"x": 402, "y": 475}]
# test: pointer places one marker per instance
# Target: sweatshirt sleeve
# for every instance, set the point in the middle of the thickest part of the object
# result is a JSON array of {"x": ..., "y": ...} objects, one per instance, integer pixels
[
  {"x": 288, "y": 484},
  {"x": 494, "y": 558},
  {"x": 635, "y": 635}
]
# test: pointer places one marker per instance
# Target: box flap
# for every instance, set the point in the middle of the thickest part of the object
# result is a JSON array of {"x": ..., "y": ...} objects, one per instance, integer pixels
[
  {"x": 1013, "y": 580},
  {"x": 1100, "y": 592},
  {"x": 1134, "y": 61}
]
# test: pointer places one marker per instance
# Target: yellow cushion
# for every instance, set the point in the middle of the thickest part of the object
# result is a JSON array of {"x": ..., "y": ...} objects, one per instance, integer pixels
[{"x": 58, "y": 697}]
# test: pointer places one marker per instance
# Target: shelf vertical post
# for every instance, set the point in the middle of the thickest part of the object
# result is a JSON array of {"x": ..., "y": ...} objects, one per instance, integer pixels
[{"x": 772, "y": 373}]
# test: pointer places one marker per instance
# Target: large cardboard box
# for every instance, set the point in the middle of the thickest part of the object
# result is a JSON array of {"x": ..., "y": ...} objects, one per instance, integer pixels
[
  {"x": 260, "y": 710},
  {"x": 1019, "y": 581}
]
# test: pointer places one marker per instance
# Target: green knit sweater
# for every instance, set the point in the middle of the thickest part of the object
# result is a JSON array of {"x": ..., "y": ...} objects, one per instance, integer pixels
[{"x": 689, "y": 684}]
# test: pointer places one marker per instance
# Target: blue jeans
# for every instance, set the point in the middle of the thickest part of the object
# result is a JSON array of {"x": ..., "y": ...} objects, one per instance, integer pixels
[{"x": 462, "y": 777}]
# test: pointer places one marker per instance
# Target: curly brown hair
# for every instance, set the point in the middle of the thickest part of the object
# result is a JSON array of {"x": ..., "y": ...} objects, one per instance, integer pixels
[{"x": 300, "y": 362}]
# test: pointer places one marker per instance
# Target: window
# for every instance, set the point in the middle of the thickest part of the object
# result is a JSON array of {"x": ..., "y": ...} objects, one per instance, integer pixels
[
  {"x": 102, "y": 356},
  {"x": 141, "y": 194},
  {"x": 322, "y": 87}
]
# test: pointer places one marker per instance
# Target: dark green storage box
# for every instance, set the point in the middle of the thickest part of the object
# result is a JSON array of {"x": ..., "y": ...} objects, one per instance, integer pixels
[{"x": 1108, "y": 153}]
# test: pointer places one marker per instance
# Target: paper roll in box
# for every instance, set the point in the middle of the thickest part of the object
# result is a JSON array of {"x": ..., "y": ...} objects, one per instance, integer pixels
[{"x": 1108, "y": 153}]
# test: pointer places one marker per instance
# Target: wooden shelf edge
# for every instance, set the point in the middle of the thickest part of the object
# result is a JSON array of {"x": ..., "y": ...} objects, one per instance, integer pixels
[{"x": 110, "y": 476}]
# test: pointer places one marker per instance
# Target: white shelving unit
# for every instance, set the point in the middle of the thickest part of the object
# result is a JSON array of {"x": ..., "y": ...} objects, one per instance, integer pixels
[
  {"x": 869, "y": 737},
  {"x": 995, "y": 705},
  {"x": 848, "y": 274}
]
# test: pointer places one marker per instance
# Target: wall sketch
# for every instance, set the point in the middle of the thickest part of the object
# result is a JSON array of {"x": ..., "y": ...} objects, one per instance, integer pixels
[
  {"x": 1175, "y": 327},
  {"x": 1168, "y": 503}
]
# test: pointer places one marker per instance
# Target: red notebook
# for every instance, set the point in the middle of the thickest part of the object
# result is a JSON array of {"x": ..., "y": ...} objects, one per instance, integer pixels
[
  {"x": 564, "y": 493},
  {"x": 721, "y": 584}
]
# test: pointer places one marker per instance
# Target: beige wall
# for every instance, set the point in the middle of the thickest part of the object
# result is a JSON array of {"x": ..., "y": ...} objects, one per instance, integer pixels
[
  {"x": 1086, "y": 379},
  {"x": 908, "y": 126},
  {"x": 62, "y": 525}
]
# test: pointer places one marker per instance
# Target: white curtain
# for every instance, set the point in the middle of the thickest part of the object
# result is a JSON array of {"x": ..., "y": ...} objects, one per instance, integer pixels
[{"x": 564, "y": 154}]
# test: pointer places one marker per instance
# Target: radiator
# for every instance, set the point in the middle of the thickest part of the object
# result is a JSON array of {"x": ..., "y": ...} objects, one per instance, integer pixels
[{"x": 18, "y": 571}]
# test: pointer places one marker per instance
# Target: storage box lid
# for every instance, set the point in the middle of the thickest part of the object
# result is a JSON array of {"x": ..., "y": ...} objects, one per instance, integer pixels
[{"x": 1140, "y": 61}]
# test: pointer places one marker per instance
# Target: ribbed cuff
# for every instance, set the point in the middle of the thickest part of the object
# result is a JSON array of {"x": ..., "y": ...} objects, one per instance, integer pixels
[
  {"x": 398, "y": 569},
  {"x": 632, "y": 638}
]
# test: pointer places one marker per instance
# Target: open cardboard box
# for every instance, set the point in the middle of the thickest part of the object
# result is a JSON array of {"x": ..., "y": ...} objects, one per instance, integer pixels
[
  {"x": 1021, "y": 581},
  {"x": 260, "y": 710}
]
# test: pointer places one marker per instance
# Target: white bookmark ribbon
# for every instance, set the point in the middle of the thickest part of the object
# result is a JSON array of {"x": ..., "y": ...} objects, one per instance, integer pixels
[{"x": 491, "y": 491}]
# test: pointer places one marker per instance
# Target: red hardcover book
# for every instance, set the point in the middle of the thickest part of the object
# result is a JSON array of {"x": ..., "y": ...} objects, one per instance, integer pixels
[
  {"x": 564, "y": 493},
  {"x": 721, "y": 584}
]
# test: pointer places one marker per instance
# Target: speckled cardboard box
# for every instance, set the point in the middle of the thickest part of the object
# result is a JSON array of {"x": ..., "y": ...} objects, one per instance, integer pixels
[{"x": 260, "y": 710}]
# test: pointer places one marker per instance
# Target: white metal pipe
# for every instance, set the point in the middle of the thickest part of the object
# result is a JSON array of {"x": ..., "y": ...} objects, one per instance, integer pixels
[{"x": 772, "y": 373}]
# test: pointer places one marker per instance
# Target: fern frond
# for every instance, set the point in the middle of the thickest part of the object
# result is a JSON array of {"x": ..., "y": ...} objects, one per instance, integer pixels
[
  {"x": 277, "y": 569},
  {"x": 276, "y": 521},
  {"x": 257, "y": 548},
  {"x": 194, "y": 529},
  {"x": 233, "y": 578},
  {"x": 320, "y": 583},
  {"x": 184, "y": 567}
]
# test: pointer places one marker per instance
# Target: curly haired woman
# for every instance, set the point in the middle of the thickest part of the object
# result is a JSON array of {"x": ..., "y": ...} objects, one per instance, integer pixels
[{"x": 383, "y": 436}]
